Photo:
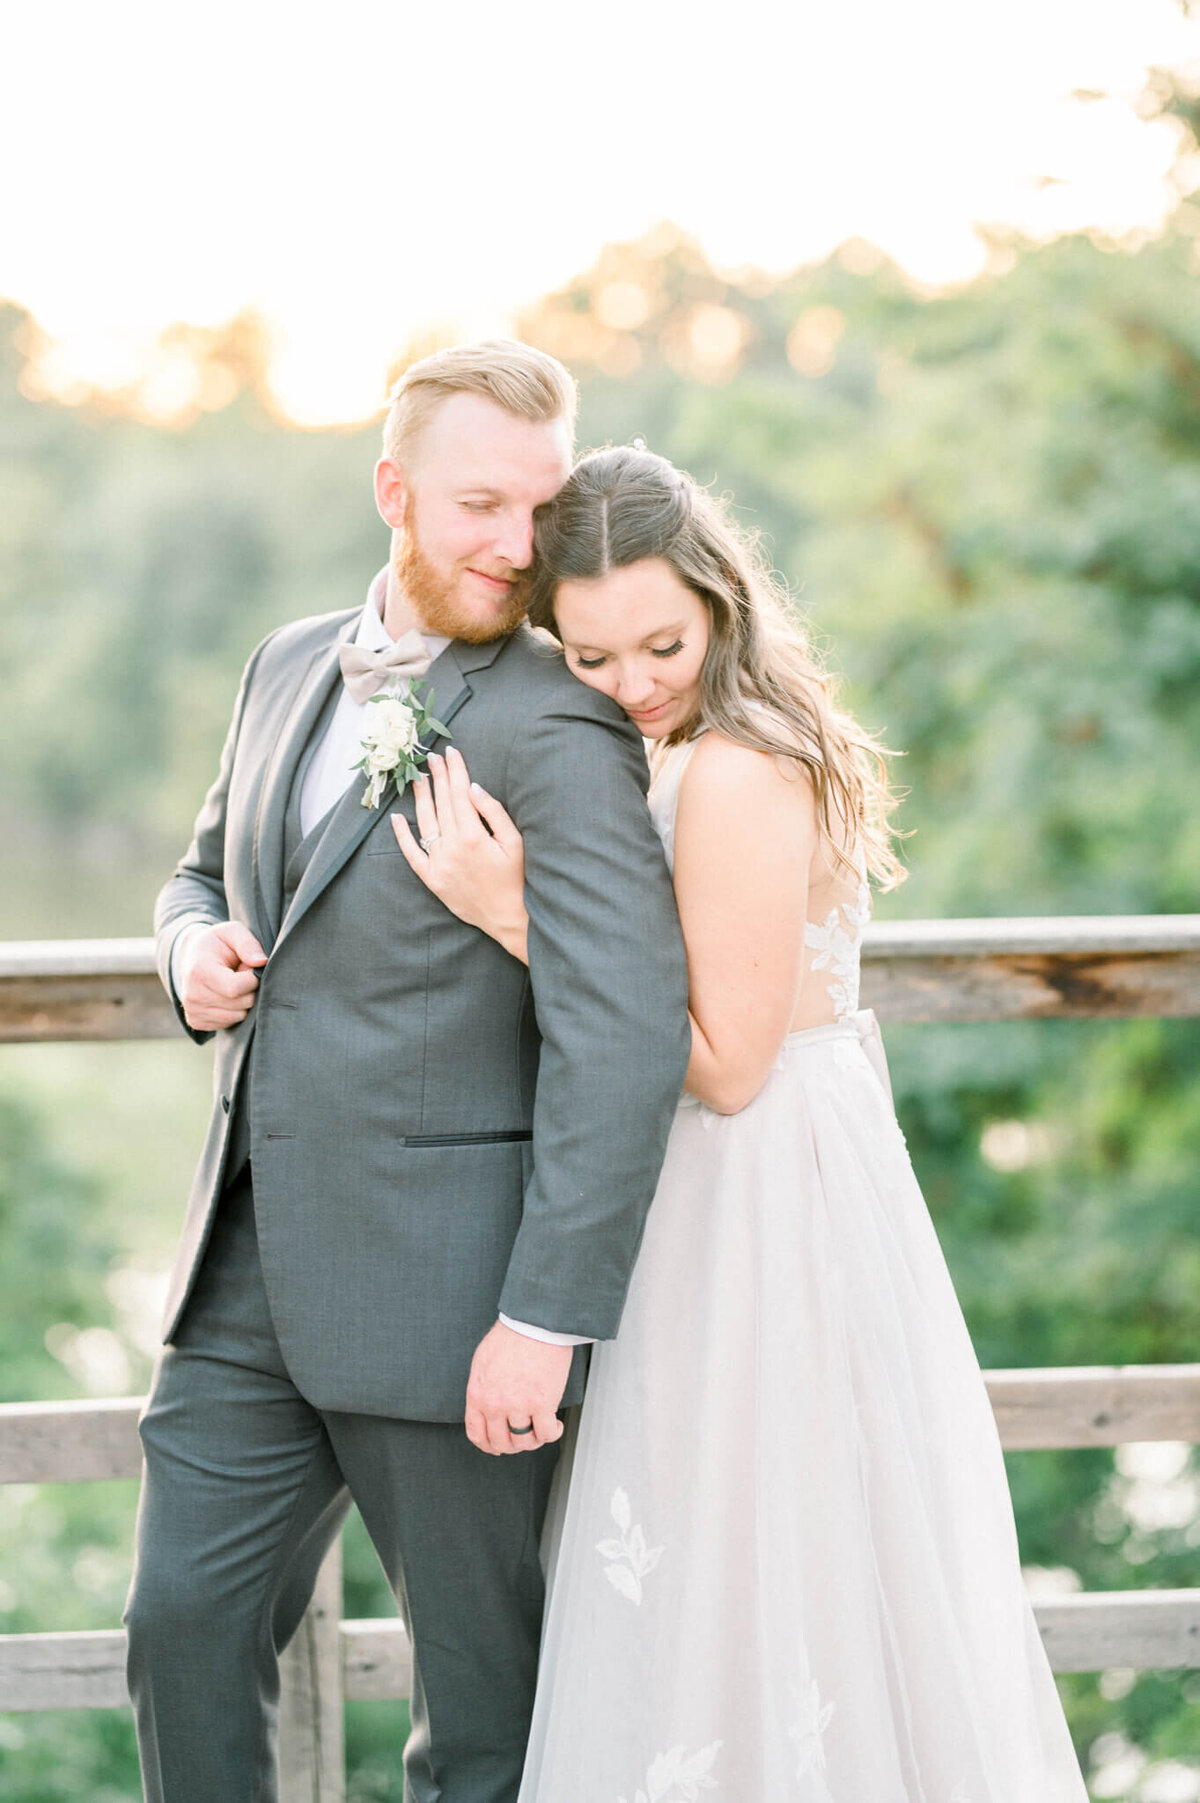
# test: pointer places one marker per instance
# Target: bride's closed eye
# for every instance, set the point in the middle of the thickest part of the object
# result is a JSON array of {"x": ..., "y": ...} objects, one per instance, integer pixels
[{"x": 594, "y": 663}]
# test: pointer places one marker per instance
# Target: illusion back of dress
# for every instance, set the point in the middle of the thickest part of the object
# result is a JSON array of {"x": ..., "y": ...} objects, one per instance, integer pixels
[{"x": 839, "y": 907}]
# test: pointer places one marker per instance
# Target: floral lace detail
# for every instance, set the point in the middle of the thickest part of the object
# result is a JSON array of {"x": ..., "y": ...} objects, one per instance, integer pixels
[
  {"x": 812, "y": 1718},
  {"x": 678, "y": 1778},
  {"x": 632, "y": 1559},
  {"x": 838, "y": 947}
]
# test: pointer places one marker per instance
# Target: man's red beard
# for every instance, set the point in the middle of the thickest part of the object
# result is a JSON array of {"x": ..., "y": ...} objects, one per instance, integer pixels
[{"x": 433, "y": 599}]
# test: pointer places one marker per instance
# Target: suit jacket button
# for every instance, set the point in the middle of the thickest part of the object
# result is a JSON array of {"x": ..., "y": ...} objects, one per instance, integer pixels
[{"x": 225, "y": 1103}]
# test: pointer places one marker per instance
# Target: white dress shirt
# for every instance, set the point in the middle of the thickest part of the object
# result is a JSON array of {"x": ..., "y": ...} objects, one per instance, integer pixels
[
  {"x": 332, "y": 765},
  {"x": 330, "y": 772}
]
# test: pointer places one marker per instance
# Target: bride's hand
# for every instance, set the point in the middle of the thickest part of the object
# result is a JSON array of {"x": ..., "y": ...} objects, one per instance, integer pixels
[{"x": 478, "y": 873}]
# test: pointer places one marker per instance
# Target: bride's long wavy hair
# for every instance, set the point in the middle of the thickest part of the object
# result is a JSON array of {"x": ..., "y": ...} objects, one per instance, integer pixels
[{"x": 762, "y": 684}]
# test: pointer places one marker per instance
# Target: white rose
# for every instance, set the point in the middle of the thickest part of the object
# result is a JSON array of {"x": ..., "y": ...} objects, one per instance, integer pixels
[
  {"x": 394, "y": 722},
  {"x": 382, "y": 758},
  {"x": 383, "y": 739}
]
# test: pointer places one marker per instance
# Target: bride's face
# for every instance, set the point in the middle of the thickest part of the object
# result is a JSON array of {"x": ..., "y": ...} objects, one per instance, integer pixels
[{"x": 640, "y": 635}]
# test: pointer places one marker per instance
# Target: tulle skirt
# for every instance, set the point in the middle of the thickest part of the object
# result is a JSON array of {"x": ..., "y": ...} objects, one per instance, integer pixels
[{"x": 782, "y": 1559}]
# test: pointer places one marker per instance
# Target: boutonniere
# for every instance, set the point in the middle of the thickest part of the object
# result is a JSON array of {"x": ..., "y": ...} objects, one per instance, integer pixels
[{"x": 394, "y": 747}]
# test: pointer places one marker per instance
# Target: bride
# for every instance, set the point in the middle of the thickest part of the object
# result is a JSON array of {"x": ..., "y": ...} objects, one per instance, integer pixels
[{"x": 785, "y": 1566}]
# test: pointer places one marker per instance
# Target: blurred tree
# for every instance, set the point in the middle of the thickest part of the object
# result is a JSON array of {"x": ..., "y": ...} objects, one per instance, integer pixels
[
  {"x": 53, "y": 1258},
  {"x": 64, "y": 1559},
  {"x": 987, "y": 503}
]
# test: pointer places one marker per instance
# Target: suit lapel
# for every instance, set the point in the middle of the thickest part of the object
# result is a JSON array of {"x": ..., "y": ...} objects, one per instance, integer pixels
[
  {"x": 303, "y": 712},
  {"x": 350, "y": 822}
]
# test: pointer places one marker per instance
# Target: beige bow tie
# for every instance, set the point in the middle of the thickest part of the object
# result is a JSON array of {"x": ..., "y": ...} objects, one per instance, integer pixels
[{"x": 366, "y": 672}]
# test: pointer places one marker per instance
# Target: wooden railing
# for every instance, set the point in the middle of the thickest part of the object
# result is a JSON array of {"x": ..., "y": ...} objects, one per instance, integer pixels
[
  {"x": 918, "y": 970},
  {"x": 964, "y": 970}
]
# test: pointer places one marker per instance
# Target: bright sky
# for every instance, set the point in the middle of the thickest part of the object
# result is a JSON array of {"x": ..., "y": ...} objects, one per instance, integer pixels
[{"x": 360, "y": 171}]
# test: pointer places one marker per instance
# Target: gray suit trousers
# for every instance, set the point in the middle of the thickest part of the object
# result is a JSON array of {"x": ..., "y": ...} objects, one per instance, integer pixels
[{"x": 246, "y": 1485}]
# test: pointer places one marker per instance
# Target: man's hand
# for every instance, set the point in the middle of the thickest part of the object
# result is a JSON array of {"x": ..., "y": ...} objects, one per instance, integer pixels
[
  {"x": 217, "y": 980},
  {"x": 515, "y": 1382}
]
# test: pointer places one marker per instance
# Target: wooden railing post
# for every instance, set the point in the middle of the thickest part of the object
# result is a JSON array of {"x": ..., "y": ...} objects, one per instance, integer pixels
[
  {"x": 913, "y": 970},
  {"x": 312, "y": 1757}
]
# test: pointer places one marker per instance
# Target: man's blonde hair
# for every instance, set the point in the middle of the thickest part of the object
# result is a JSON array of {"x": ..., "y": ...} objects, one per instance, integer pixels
[{"x": 523, "y": 381}]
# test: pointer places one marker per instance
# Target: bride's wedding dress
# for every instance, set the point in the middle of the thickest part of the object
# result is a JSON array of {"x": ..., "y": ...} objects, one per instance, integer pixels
[{"x": 785, "y": 1567}]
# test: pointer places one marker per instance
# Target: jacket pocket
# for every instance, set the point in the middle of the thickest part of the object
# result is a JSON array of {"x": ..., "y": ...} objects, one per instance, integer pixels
[{"x": 467, "y": 1139}]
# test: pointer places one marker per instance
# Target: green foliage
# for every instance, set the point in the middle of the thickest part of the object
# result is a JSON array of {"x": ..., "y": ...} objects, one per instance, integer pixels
[
  {"x": 64, "y": 1549},
  {"x": 138, "y": 568},
  {"x": 986, "y": 503},
  {"x": 53, "y": 1260},
  {"x": 89, "y": 1756}
]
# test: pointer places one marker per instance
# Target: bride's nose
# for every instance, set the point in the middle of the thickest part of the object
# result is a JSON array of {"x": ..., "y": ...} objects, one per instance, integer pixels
[{"x": 634, "y": 686}]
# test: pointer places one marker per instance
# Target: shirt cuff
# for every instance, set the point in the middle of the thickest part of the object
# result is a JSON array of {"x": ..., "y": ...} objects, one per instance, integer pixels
[
  {"x": 193, "y": 926},
  {"x": 546, "y": 1335}
]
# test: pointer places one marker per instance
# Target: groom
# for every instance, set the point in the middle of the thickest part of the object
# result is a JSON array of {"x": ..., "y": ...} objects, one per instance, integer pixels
[{"x": 427, "y": 1169}]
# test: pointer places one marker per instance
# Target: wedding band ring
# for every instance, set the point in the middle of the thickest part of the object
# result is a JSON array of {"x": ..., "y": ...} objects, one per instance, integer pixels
[
  {"x": 426, "y": 843},
  {"x": 520, "y": 1430}
]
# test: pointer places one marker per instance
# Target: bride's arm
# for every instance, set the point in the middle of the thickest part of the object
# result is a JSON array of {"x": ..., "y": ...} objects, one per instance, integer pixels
[
  {"x": 744, "y": 840},
  {"x": 745, "y": 836}
]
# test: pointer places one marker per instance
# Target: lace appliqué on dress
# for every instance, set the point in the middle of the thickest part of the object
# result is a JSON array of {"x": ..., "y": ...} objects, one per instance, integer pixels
[
  {"x": 677, "y": 1777},
  {"x": 808, "y": 1727},
  {"x": 838, "y": 946},
  {"x": 632, "y": 1560}
]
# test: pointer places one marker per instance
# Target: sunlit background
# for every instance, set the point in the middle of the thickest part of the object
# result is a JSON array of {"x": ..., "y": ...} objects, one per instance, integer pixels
[
  {"x": 360, "y": 176},
  {"x": 917, "y": 284}
]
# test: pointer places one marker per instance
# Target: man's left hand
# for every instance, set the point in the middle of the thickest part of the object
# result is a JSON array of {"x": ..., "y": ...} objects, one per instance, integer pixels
[{"x": 515, "y": 1382}]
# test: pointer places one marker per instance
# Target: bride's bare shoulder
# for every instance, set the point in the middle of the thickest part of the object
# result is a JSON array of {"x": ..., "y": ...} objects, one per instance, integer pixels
[{"x": 721, "y": 772}]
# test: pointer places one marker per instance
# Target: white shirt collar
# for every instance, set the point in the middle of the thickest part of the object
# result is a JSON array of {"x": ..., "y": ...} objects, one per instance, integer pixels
[{"x": 373, "y": 635}]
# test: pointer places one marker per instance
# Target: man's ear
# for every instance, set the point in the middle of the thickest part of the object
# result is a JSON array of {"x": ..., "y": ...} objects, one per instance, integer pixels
[{"x": 391, "y": 492}]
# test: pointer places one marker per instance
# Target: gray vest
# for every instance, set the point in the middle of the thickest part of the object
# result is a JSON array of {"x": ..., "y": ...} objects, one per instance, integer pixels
[{"x": 298, "y": 849}]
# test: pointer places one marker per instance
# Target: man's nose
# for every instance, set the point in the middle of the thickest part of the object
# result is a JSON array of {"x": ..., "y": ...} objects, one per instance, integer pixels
[{"x": 514, "y": 546}]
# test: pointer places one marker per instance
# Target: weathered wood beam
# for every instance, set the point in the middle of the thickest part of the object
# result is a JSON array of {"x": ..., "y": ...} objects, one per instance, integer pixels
[
  {"x": 63, "y": 1671},
  {"x": 87, "y": 1671},
  {"x": 1068, "y": 968},
  {"x": 70, "y": 1442},
  {"x": 312, "y": 1744},
  {"x": 913, "y": 970},
  {"x": 1147, "y": 1630},
  {"x": 1101, "y": 1405},
  {"x": 71, "y": 989},
  {"x": 376, "y": 1659}
]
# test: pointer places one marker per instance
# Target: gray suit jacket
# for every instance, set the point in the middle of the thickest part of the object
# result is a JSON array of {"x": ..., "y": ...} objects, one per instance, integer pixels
[{"x": 436, "y": 1133}]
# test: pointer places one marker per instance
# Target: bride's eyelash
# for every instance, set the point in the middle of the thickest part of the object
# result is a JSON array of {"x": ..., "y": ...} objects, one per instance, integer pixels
[{"x": 594, "y": 663}]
